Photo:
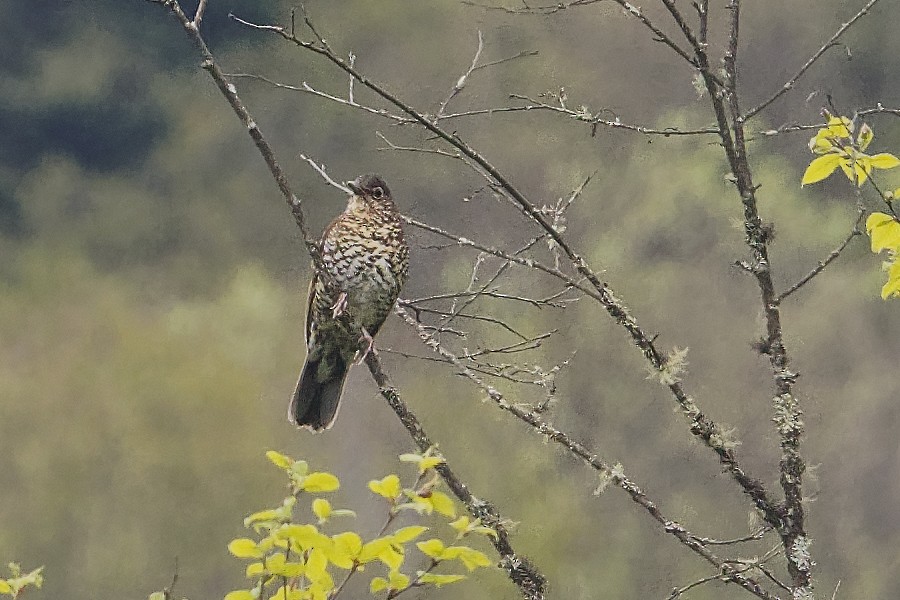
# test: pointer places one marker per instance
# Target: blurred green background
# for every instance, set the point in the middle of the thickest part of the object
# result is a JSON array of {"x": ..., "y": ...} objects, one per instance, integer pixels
[{"x": 152, "y": 289}]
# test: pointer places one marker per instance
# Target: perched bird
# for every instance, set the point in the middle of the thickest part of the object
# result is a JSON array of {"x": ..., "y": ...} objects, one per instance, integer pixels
[{"x": 364, "y": 262}]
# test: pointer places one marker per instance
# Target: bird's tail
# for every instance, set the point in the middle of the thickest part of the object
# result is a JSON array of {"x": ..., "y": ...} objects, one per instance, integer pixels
[{"x": 317, "y": 398}]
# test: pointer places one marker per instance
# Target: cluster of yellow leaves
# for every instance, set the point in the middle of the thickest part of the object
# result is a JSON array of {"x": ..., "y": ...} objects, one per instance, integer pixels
[
  {"x": 838, "y": 145},
  {"x": 19, "y": 581},
  {"x": 884, "y": 231},
  {"x": 293, "y": 560}
]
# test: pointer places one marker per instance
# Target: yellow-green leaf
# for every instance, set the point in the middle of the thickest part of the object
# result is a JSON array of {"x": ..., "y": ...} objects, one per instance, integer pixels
[
  {"x": 303, "y": 536},
  {"x": 319, "y": 482},
  {"x": 407, "y": 534},
  {"x": 443, "y": 504},
  {"x": 389, "y": 487},
  {"x": 5, "y": 587},
  {"x": 372, "y": 549},
  {"x": 469, "y": 557},
  {"x": 865, "y": 137},
  {"x": 322, "y": 509},
  {"x": 820, "y": 168},
  {"x": 885, "y": 161},
  {"x": 261, "y": 516},
  {"x": 316, "y": 564},
  {"x": 840, "y": 127},
  {"x": 345, "y": 549},
  {"x": 392, "y": 557},
  {"x": 244, "y": 548},
  {"x": 461, "y": 525},
  {"x": 884, "y": 232},
  {"x": 377, "y": 584},
  {"x": 397, "y": 580},
  {"x": 857, "y": 170},
  {"x": 240, "y": 595},
  {"x": 423, "y": 461},
  {"x": 464, "y": 526},
  {"x": 438, "y": 580},
  {"x": 433, "y": 548},
  {"x": 254, "y": 570},
  {"x": 892, "y": 287},
  {"x": 279, "y": 460}
]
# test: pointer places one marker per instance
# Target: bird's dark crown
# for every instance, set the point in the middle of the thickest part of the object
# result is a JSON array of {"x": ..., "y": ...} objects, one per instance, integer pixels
[{"x": 368, "y": 183}]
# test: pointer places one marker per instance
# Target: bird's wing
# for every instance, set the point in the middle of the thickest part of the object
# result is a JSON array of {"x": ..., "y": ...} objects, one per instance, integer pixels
[{"x": 309, "y": 303}]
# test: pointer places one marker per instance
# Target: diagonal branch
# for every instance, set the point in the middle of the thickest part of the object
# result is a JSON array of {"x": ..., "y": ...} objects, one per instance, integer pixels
[
  {"x": 530, "y": 582},
  {"x": 613, "y": 474},
  {"x": 818, "y": 54},
  {"x": 855, "y": 231},
  {"x": 702, "y": 426}
]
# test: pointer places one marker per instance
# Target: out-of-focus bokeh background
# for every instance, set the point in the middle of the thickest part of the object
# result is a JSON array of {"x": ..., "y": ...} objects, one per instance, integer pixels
[{"x": 152, "y": 288}]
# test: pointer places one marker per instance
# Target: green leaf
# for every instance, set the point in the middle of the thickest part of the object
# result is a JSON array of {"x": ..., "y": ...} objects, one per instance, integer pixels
[
  {"x": 885, "y": 161},
  {"x": 153, "y": 596},
  {"x": 5, "y": 587},
  {"x": 821, "y": 167}
]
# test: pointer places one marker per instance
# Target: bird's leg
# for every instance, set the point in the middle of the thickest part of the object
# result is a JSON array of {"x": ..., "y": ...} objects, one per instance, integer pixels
[
  {"x": 370, "y": 346},
  {"x": 340, "y": 306}
]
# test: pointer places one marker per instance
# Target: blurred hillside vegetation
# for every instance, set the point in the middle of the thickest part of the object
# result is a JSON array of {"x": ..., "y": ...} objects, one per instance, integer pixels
[{"x": 152, "y": 289}]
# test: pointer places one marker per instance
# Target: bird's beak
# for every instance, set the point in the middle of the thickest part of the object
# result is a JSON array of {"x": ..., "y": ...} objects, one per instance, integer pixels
[{"x": 354, "y": 188}]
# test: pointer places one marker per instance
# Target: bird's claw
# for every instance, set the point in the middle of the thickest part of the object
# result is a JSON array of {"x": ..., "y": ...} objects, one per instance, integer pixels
[
  {"x": 340, "y": 306},
  {"x": 370, "y": 347}
]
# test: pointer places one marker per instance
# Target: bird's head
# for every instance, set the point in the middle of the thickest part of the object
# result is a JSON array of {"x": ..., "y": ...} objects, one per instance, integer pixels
[{"x": 371, "y": 189}]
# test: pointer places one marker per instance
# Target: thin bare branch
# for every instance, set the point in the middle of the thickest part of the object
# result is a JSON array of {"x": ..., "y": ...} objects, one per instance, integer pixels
[
  {"x": 595, "y": 121},
  {"x": 757, "y": 535},
  {"x": 613, "y": 474},
  {"x": 461, "y": 82},
  {"x": 855, "y": 231},
  {"x": 530, "y": 582},
  {"x": 198, "y": 16},
  {"x": 308, "y": 89},
  {"x": 230, "y": 92},
  {"x": 793, "y": 80},
  {"x": 678, "y": 592},
  {"x": 320, "y": 169},
  {"x": 533, "y": 10}
]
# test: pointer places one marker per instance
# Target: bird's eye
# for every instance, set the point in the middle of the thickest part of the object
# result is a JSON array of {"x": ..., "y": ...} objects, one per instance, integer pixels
[{"x": 378, "y": 193}]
